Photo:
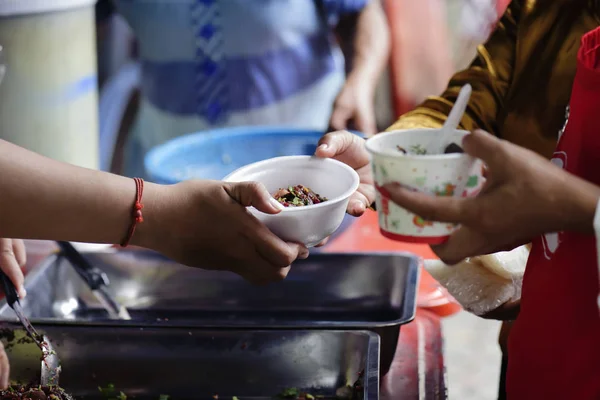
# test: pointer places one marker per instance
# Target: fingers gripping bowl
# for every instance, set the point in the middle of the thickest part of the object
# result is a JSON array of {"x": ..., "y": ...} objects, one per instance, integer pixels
[
  {"x": 398, "y": 157},
  {"x": 309, "y": 224}
]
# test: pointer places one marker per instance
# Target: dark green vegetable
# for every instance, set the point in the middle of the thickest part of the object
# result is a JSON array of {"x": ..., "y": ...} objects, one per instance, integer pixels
[
  {"x": 418, "y": 150},
  {"x": 110, "y": 393},
  {"x": 290, "y": 393}
]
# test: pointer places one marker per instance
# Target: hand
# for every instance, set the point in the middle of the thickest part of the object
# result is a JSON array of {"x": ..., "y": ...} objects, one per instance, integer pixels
[
  {"x": 12, "y": 258},
  {"x": 4, "y": 368},
  {"x": 354, "y": 104},
  {"x": 350, "y": 149},
  {"x": 524, "y": 196},
  {"x": 206, "y": 224}
]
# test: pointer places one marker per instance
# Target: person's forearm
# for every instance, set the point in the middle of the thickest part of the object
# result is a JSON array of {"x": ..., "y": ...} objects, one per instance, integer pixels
[
  {"x": 371, "y": 45},
  {"x": 489, "y": 75},
  {"x": 45, "y": 199}
]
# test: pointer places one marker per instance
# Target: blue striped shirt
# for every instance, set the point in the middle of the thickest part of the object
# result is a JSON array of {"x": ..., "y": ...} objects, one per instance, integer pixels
[{"x": 212, "y": 63}]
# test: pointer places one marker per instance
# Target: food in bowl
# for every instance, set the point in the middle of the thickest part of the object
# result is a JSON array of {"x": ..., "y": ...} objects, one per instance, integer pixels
[
  {"x": 399, "y": 157},
  {"x": 298, "y": 196},
  {"x": 416, "y": 149},
  {"x": 419, "y": 150},
  {"x": 34, "y": 392},
  {"x": 307, "y": 225}
]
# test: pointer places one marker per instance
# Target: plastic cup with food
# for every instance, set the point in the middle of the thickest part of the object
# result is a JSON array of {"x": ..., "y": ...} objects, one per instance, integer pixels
[
  {"x": 400, "y": 157},
  {"x": 314, "y": 193}
]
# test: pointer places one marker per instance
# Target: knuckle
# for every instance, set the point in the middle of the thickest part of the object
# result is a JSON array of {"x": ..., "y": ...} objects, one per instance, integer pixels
[
  {"x": 6, "y": 260},
  {"x": 280, "y": 274},
  {"x": 288, "y": 257},
  {"x": 254, "y": 187}
]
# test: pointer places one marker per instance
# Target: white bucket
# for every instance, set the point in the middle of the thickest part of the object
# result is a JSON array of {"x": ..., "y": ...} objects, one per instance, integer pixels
[{"x": 49, "y": 96}]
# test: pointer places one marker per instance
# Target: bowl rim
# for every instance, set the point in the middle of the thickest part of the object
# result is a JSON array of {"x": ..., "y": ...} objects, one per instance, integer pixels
[
  {"x": 387, "y": 153},
  {"x": 330, "y": 202}
]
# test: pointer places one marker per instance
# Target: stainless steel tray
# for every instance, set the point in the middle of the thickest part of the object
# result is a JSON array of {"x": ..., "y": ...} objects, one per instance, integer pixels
[
  {"x": 327, "y": 291},
  {"x": 199, "y": 364}
]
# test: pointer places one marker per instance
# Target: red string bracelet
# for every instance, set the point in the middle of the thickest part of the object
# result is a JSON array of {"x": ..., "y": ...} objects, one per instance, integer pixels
[{"x": 137, "y": 217}]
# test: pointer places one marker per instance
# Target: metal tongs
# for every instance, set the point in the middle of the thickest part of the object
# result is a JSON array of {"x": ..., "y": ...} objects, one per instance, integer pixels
[
  {"x": 96, "y": 279},
  {"x": 50, "y": 362}
]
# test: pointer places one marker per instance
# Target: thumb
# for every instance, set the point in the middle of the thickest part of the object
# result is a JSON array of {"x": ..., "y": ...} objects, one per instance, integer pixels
[
  {"x": 345, "y": 147},
  {"x": 334, "y": 144},
  {"x": 254, "y": 194}
]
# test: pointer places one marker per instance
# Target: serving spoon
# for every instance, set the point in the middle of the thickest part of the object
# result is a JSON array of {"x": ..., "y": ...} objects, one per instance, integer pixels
[{"x": 443, "y": 142}]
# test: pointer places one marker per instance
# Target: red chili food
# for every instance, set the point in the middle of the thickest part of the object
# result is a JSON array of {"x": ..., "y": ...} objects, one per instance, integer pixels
[{"x": 298, "y": 196}]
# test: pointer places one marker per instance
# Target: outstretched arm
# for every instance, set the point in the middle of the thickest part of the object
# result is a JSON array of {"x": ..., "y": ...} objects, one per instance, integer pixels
[
  {"x": 490, "y": 75},
  {"x": 45, "y": 199},
  {"x": 198, "y": 223}
]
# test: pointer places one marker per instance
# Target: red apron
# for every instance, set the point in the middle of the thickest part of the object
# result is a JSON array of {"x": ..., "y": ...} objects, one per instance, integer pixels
[{"x": 554, "y": 346}]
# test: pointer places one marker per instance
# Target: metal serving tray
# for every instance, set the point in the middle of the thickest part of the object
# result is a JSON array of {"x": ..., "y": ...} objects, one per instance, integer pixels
[
  {"x": 199, "y": 364},
  {"x": 327, "y": 291}
]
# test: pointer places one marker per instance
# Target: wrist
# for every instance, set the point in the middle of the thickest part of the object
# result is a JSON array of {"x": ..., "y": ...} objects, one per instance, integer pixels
[
  {"x": 364, "y": 79},
  {"x": 582, "y": 199},
  {"x": 147, "y": 232}
]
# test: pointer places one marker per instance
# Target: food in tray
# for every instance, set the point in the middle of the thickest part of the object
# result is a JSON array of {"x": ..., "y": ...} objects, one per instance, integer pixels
[
  {"x": 34, "y": 392},
  {"x": 111, "y": 393},
  {"x": 298, "y": 196},
  {"x": 354, "y": 392},
  {"x": 343, "y": 393}
]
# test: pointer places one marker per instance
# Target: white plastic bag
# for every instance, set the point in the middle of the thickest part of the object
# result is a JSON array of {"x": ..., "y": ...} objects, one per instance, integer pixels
[{"x": 482, "y": 284}]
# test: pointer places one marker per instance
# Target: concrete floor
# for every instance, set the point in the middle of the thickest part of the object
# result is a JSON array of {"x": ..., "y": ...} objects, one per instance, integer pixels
[{"x": 472, "y": 357}]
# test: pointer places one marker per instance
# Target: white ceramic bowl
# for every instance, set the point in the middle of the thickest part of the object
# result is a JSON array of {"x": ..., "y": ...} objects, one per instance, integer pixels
[
  {"x": 309, "y": 224},
  {"x": 458, "y": 175}
]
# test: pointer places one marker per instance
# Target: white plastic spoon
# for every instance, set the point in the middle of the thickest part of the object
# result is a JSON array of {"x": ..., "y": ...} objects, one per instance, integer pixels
[{"x": 441, "y": 141}]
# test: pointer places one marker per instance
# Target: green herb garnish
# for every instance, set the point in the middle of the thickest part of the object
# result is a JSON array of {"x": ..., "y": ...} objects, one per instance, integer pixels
[
  {"x": 108, "y": 390},
  {"x": 418, "y": 149},
  {"x": 290, "y": 393}
]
